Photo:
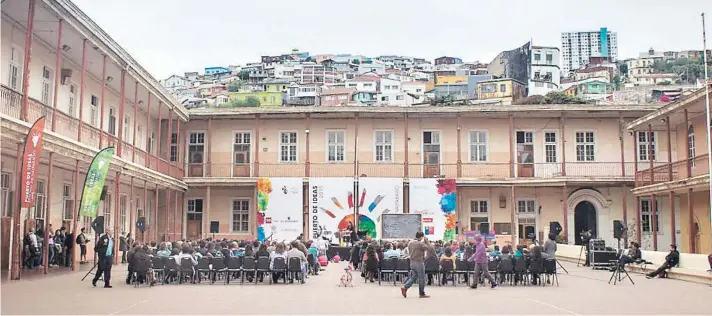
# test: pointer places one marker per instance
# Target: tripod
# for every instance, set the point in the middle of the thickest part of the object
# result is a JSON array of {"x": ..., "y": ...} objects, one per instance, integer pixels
[
  {"x": 578, "y": 262},
  {"x": 561, "y": 266},
  {"x": 96, "y": 239},
  {"x": 618, "y": 274}
]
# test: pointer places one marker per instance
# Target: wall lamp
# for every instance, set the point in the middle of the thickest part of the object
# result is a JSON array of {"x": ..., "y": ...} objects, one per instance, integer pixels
[
  {"x": 109, "y": 78},
  {"x": 66, "y": 48},
  {"x": 306, "y": 131},
  {"x": 140, "y": 102}
]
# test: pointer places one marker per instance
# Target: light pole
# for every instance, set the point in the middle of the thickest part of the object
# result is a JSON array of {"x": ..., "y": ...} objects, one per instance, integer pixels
[{"x": 707, "y": 112}]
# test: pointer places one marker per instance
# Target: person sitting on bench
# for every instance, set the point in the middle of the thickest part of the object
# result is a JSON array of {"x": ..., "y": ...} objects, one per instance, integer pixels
[{"x": 671, "y": 260}]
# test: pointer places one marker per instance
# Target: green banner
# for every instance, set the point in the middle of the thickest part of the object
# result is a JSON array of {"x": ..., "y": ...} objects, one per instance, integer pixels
[{"x": 94, "y": 183}]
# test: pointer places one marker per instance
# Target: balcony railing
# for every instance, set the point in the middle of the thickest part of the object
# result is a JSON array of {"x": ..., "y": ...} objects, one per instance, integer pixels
[
  {"x": 68, "y": 127},
  {"x": 484, "y": 171},
  {"x": 661, "y": 173}
]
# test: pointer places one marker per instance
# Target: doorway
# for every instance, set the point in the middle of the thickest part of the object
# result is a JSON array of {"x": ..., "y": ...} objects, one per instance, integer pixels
[
  {"x": 525, "y": 154},
  {"x": 194, "y": 223},
  {"x": 431, "y": 154},
  {"x": 584, "y": 219}
]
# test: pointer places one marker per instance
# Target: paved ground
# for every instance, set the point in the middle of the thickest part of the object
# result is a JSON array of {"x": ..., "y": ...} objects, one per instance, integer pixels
[{"x": 582, "y": 292}]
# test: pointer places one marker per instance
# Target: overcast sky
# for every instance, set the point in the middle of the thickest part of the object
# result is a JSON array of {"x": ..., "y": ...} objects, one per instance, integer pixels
[{"x": 173, "y": 36}]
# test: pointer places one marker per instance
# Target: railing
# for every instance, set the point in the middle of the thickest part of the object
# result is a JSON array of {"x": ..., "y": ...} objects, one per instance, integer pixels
[
  {"x": 486, "y": 171},
  {"x": 68, "y": 127},
  {"x": 661, "y": 173}
]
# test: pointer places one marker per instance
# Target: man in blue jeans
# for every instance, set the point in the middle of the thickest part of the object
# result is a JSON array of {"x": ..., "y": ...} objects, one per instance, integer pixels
[{"x": 417, "y": 249}]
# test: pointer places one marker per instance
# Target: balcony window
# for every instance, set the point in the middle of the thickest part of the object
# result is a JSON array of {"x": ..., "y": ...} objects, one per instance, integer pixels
[
  {"x": 67, "y": 202},
  {"x": 384, "y": 146},
  {"x": 478, "y": 146},
  {"x": 174, "y": 147},
  {"x": 127, "y": 129},
  {"x": 14, "y": 72},
  {"x": 646, "y": 216},
  {"x": 47, "y": 85},
  {"x": 41, "y": 201},
  {"x": 123, "y": 206},
  {"x": 585, "y": 146},
  {"x": 336, "y": 144},
  {"x": 646, "y": 146},
  {"x": 112, "y": 121},
  {"x": 240, "y": 216},
  {"x": 242, "y": 147},
  {"x": 288, "y": 147},
  {"x": 691, "y": 144},
  {"x": 107, "y": 210},
  {"x": 196, "y": 147},
  {"x": 6, "y": 196},
  {"x": 72, "y": 99},
  {"x": 550, "y": 144}
]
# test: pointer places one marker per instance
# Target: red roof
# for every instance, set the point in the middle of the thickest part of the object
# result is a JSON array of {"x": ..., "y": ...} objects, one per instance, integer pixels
[
  {"x": 336, "y": 91},
  {"x": 593, "y": 69},
  {"x": 367, "y": 77}
]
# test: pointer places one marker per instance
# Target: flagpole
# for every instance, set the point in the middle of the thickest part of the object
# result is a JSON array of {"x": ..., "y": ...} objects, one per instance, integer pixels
[{"x": 707, "y": 113}]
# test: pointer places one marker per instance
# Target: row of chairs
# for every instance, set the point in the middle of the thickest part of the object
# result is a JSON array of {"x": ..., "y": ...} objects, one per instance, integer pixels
[
  {"x": 503, "y": 270},
  {"x": 227, "y": 269}
]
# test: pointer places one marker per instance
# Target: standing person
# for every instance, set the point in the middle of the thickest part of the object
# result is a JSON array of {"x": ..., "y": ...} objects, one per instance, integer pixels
[
  {"x": 68, "y": 249},
  {"x": 550, "y": 246},
  {"x": 416, "y": 250},
  {"x": 82, "y": 242},
  {"x": 480, "y": 260},
  {"x": 123, "y": 246},
  {"x": 105, "y": 250}
]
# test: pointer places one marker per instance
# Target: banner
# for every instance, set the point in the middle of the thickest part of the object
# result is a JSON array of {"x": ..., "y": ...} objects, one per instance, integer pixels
[
  {"x": 331, "y": 207},
  {"x": 94, "y": 183},
  {"x": 378, "y": 196},
  {"x": 279, "y": 208},
  {"x": 31, "y": 162},
  {"x": 435, "y": 200}
]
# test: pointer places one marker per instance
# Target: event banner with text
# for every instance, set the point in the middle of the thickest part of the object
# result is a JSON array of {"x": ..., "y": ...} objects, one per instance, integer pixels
[
  {"x": 279, "y": 208},
  {"x": 435, "y": 200},
  {"x": 331, "y": 206},
  {"x": 377, "y": 196}
]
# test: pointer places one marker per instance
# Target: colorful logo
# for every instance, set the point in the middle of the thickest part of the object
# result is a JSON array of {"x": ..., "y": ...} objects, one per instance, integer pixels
[
  {"x": 446, "y": 189},
  {"x": 365, "y": 223}
]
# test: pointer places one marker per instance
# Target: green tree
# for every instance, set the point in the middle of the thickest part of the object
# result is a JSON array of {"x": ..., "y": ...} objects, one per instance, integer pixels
[
  {"x": 244, "y": 75},
  {"x": 234, "y": 86},
  {"x": 689, "y": 69},
  {"x": 553, "y": 97},
  {"x": 355, "y": 61},
  {"x": 248, "y": 102},
  {"x": 623, "y": 68}
]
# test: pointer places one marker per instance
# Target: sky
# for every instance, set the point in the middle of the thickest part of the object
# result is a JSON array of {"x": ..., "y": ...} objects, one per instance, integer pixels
[{"x": 174, "y": 36}]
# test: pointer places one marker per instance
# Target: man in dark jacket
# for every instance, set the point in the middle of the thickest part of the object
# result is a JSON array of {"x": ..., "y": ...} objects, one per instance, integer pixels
[
  {"x": 105, "y": 250},
  {"x": 671, "y": 260}
]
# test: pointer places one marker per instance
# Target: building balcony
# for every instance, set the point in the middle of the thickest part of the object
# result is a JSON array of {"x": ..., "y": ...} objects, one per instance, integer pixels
[
  {"x": 572, "y": 171},
  {"x": 675, "y": 171},
  {"x": 68, "y": 127}
]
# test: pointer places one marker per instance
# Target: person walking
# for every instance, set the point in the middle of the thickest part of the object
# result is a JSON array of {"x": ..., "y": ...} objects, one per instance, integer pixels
[
  {"x": 480, "y": 260},
  {"x": 417, "y": 249},
  {"x": 82, "y": 242},
  {"x": 105, "y": 251}
]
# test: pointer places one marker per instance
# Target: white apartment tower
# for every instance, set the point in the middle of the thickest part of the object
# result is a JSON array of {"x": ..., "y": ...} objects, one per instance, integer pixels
[{"x": 577, "y": 47}]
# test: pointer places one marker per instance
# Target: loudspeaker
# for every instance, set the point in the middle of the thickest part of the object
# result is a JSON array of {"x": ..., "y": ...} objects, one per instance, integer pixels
[
  {"x": 484, "y": 228},
  {"x": 98, "y": 225},
  {"x": 618, "y": 229},
  {"x": 214, "y": 227},
  {"x": 103, "y": 193},
  {"x": 555, "y": 228},
  {"x": 141, "y": 224}
]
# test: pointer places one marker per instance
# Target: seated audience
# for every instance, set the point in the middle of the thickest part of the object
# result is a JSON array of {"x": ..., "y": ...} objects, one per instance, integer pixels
[{"x": 672, "y": 259}]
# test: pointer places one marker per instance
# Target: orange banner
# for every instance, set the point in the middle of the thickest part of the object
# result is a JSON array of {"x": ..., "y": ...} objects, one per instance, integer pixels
[{"x": 31, "y": 162}]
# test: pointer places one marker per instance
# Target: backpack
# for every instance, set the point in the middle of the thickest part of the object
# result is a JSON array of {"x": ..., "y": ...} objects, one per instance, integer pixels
[
  {"x": 322, "y": 261},
  {"x": 336, "y": 258}
]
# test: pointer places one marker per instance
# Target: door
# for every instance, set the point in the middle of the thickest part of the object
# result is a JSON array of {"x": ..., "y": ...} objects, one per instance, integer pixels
[
  {"x": 194, "y": 229},
  {"x": 242, "y": 166},
  {"x": 432, "y": 165},
  {"x": 194, "y": 220},
  {"x": 196, "y": 146},
  {"x": 431, "y": 154},
  {"x": 525, "y": 154},
  {"x": 241, "y": 155},
  {"x": 527, "y": 233}
]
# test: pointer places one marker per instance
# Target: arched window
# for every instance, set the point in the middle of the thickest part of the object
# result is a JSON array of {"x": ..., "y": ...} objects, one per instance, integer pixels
[{"x": 691, "y": 144}]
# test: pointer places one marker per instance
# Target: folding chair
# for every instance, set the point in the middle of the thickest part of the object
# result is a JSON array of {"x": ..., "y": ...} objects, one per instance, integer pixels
[
  {"x": 186, "y": 269},
  {"x": 279, "y": 266},
  {"x": 294, "y": 269},
  {"x": 171, "y": 269},
  {"x": 536, "y": 269},
  {"x": 370, "y": 267},
  {"x": 506, "y": 270},
  {"x": 520, "y": 270},
  {"x": 159, "y": 265},
  {"x": 402, "y": 269},
  {"x": 549, "y": 269},
  {"x": 248, "y": 266},
  {"x": 203, "y": 268},
  {"x": 447, "y": 268},
  {"x": 234, "y": 266},
  {"x": 262, "y": 268},
  {"x": 388, "y": 267},
  {"x": 462, "y": 269},
  {"x": 493, "y": 269},
  {"x": 219, "y": 267},
  {"x": 310, "y": 264}
]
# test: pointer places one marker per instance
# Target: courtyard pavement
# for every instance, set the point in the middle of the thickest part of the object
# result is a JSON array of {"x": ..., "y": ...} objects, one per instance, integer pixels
[{"x": 581, "y": 292}]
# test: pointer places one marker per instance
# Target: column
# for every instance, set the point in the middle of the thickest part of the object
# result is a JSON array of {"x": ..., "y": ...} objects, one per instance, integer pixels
[
  {"x": 117, "y": 206},
  {"x": 132, "y": 209},
  {"x": 650, "y": 156},
  {"x": 459, "y": 148},
  {"x": 135, "y": 124},
  {"x": 176, "y": 209},
  {"x": 101, "y": 103},
  {"x": 564, "y": 210},
  {"x": 654, "y": 220},
  {"x": 82, "y": 77},
  {"x": 690, "y": 222},
  {"x": 170, "y": 133},
  {"x": 145, "y": 210},
  {"x": 155, "y": 214},
  {"x": 122, "y": 102},
  {"x": 638, "y": 228},
  {"x": 26, "y": 66},
  {"x": 48, "y": 212},
  {"x": 405, "y": 146},
  {"x": 210, "y": 150},
  {"x": 355, "y": 146},
  {"x": 511, "y": 148},
  {"x": 513, "y": 208},
  {"x": 147, "y": 157},
  {"x": 179, "y": 144},
  {"x": 206, "y": 211},
  {"x": 673, "y": 231},
  {"x": 307, "y": 138},
  {"x": 673, "y": 236},
  {"x": 76, "y": 217},
  {"x": 257, "y": 147},
  {"x": 168, "y": 212},
  {"x": 57, "y": 67},
  {"x": 624, "y": 205},
  {"x": 158, "y": 138},
  {"x": 562, "y": 127}
]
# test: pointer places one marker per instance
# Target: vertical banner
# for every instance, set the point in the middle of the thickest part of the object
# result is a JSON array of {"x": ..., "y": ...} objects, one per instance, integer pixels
[
  {"x": 279, "y": 208},
  {"x": 435, "y": 200},
  {"x": 331, "y": 207},
  {"x": 31, "y": 162},
  {"x": 377, "y": 196},
  {"x": 94, "y": 182}
]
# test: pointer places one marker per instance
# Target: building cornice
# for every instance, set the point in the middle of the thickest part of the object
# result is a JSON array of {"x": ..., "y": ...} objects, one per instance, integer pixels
[{"x": 666, "y": 110}]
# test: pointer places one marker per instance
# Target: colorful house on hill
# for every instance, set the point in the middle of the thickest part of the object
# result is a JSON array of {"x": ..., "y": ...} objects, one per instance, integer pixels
[{"x": 505, "y": 91}]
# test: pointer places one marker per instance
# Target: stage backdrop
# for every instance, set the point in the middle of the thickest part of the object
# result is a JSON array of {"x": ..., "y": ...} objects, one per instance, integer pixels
[
  {"x": 435, "y": 200},
  {"x": 279, "y": 208},
  {"x": 377, "y": 196},
  {"x": 331, "y": 206}
]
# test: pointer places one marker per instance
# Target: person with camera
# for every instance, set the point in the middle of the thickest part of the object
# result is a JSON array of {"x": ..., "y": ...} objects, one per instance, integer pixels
[
  {"x": 416, "y": 250},
  {"x": 586, "y": 237}
]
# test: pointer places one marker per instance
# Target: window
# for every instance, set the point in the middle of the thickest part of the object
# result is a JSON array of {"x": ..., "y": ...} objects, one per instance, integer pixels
[
  {"x": 241, "y": 216},
  {"x": 93, "y": 112},
  {"x": 195, "y": 209},
  {"x": 385, "y": 98},
  {"x": 139, "y": 134},
  {"x": 479, "y": 206},
  {"x": 127, "y": 128},
  {"x": 112, "y": 121},
  {"x": 6, "y": 197},
  {"x": 503, "y": 88},
  {"x": 646, "y": 146},
  {"x": 41, "y": 200},
  {"x": 647, "y": 216},
  {"x": 71, "y": 103},
  {"x": 149, "y": 142},
  {"x": 478, "y": 146},
  {"x": 585, "y": 146},
  {"x": 15, "y": 75},
  {"x": 288, "y": 147},
  {"x": 196, "y": 147},
  {"x": 122, "y": 213},
  {"x": 367, "y": 85},
  {"x": 174, "y": 147},
  {"x": 525, "y": 206},
  {"x": 384, "y": 146},
  {"x": 536, "y": 75},
  {"x": 107, "y": 210},
  {"x": 67, "y": 202},
  {"x": 418, "y": 90},
  {"x": 489, "y": 88},
  {"x": 336, "y": 145},
  {"x": 241, "y": 147},
  {"x": 691, "y": 144},
  {"x": 550, "y": 146},
  {"x": 399, "y": 97},
  {"x": 47, "y": 85},
  {"x": 549, "y": 58}
]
